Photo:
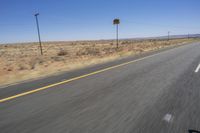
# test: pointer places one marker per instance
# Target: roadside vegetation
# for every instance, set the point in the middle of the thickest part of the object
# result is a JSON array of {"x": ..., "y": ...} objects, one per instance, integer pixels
[{"x": 20, "y": 62}]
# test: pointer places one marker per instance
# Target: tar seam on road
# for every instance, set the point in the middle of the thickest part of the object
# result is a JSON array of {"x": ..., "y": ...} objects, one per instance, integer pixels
[
  {"x": 73, "y": 79},
  {"x": 197, "y": 69}
]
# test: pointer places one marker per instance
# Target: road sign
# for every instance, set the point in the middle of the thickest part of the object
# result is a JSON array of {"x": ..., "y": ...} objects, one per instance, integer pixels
[{"x": 116, "y": 21}]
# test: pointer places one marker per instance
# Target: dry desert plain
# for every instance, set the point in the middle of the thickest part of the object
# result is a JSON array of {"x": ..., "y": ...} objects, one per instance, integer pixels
[{"x": 19, "y": 62}]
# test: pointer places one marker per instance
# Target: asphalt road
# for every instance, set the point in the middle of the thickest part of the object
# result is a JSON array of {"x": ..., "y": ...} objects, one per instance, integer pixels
[{"x": 158, "y": 93}]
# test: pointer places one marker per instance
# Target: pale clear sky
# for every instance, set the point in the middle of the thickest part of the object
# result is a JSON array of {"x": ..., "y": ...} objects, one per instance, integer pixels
[{"x": 92, "y": 19}]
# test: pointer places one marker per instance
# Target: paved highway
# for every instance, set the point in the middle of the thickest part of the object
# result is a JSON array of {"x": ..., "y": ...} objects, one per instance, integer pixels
[{"x": 158, "y": 92}]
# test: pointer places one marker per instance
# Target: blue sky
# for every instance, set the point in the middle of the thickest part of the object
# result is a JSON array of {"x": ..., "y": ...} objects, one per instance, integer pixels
[{"x": 92, "y": 19}]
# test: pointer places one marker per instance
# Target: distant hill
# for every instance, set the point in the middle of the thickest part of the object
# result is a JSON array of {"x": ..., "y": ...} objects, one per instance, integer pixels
[
  {"x": 180, "y": 36},
  {"x": 165, "y": 37}
]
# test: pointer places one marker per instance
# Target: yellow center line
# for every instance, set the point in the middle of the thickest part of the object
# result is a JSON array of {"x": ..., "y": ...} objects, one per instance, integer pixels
[{"x": 72, "y": 79}]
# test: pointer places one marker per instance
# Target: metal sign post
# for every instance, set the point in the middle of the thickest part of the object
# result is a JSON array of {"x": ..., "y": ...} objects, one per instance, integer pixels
[{"x": 117, "y": 22}]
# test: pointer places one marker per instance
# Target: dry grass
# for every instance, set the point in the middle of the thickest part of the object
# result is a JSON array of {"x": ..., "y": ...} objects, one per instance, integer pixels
[{"x": 23, "y": 61}]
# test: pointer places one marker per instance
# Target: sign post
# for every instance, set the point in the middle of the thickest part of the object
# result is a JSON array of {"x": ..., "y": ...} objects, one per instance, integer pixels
[{"x": 117, "y": 22}]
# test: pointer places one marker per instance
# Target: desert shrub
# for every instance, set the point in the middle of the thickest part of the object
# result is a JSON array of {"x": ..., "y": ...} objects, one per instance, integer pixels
[
  {"x": 2, "y": 53},
  {"x": 62, "y": 53},
  {"x": 32, "y": 64},
  {"x": 22, "y": 67},
  {"x": 124, "y": 42},
  {"x": 40, "y": 61},
  {"x": 83, "y": 43},
  {"x": 88, "y": 51},
  {"x": 165, "y": 43},
  {"x": 154, "y": 42},
  {"x": 57, "y": 58},
  {"x": 9, "y": 69},
  {"x": 108, "y": 50},
  {"x": 93, "y": 51},
  {"x": 111, "y": 43}
]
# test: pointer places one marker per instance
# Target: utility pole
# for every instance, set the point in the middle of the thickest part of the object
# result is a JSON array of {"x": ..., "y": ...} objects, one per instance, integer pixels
[
  {"x": 168, "y": 35},
  {"x": 117, "y": 22},
  {"x": 188, "y": 35},
  {"x": 38, "y": 29}
]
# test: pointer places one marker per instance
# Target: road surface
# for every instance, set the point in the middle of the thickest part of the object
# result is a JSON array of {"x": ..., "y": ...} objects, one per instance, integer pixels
[{"x": 158, "y": 92}]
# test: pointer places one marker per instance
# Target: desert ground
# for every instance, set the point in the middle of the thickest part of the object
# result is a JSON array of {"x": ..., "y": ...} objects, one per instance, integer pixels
[{"x": 19, "y": 62}]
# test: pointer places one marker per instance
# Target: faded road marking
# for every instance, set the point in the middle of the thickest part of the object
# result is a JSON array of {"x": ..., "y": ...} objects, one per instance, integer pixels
[
  {"x": 197, "y": 69},
  {"x": 168, "y": 118}
]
